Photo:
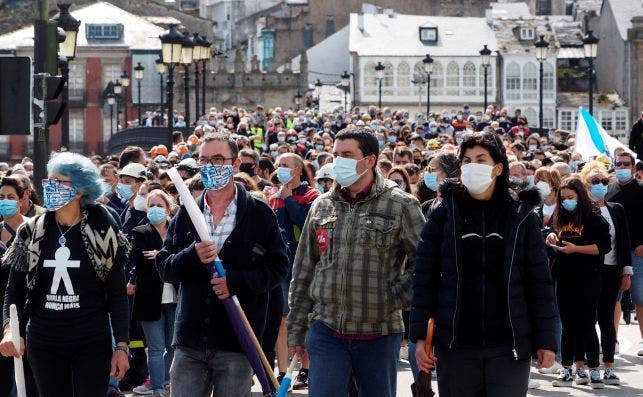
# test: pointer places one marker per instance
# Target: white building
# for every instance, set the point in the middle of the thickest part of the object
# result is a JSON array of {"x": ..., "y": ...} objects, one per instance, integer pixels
[{"x": 400, "y": 42}]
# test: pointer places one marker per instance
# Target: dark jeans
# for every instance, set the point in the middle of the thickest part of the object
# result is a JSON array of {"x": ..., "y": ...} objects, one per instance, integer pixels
[
  {"x": 71, "y": 369},
  {"x": 335, "y": 362},
  {"x": 481, "y": 372},
  {"x": 610, "y": 280},
  {"x": 577, "y": 295},
  {"x": 273, "y": 322},
  {"x": 7, "y": 377}
]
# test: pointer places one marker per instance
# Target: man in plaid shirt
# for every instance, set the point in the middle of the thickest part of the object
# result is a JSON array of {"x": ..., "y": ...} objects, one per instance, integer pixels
[{"x": 352, "y": 274}]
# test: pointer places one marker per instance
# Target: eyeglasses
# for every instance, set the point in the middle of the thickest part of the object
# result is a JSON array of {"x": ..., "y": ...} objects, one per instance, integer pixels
[
  {"x": 216, "y": 160},
  {"x": 596, "y": 181},
  {"x": 58, "y": 181},
  {"x": 428, "y": 168},
  {"x": 622, "y": 163}
]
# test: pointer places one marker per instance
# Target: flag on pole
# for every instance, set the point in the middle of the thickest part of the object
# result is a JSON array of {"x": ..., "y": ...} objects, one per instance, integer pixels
[{"x": 592, "y": 140}]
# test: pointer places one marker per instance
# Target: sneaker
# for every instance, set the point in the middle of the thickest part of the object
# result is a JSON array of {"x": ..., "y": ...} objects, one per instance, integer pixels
[
  {"x": 404, "y": 353},
  {"x": 640, "y": 352},
  {"x": 581, "y": 377},
  {"x": 595, "y": 379},
  {"x": 301, "y": 381},
  {"x": 610, "y": 378},
  {"x": 564, "y": 379},
  {"x": 533, "y": 384},
  {"x": 554, "y": 369},
  {"x": 144, "y": 390}
]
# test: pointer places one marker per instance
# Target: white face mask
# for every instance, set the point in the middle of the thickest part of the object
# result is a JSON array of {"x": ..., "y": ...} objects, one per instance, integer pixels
[
  {"x": 476, "y": 177},
  {"x": 543, "y": 188},
  {"x": 139, "y": 203}
]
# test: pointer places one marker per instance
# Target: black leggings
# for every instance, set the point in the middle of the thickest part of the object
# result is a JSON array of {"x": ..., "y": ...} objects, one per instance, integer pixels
[
  {"x": 71, "y": 369},
  {"x": 7, "y": 377},
  {"x": 610, "y": 280},
  {"x": 577, "y": 294}
]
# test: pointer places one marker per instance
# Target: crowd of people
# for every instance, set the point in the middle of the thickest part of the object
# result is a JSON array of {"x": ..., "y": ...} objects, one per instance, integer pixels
[{"x": 341, "y": 234}]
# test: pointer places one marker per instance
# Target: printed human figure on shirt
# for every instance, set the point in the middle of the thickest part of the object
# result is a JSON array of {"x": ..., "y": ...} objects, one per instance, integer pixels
[{"x": 61, "y": 264}]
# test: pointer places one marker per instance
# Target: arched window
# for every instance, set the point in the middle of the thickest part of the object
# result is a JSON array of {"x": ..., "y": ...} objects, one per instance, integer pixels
[
  {"x": 403, "y": 79},
  {"x": 548, "y": 117},
  {"x": 513, "y": 80},
  {"x": 389, "y": 79},
  {"x": 529, "y": 81},
  {"x": 453, "y": 79},
  {"x": 548, "y": 80},
  {"x": 437, "y": 79},
  {"x": 469, "y": 79},
  {"x": 370, "y": 79},
  {"x": 419, "y": 78},
  {"x": 490, "y": 86}
]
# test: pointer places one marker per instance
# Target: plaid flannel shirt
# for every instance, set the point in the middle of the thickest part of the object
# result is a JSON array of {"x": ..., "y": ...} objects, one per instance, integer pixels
[
  {"x": 350, "y": 270},
  {"x": 222, "y": 231}
]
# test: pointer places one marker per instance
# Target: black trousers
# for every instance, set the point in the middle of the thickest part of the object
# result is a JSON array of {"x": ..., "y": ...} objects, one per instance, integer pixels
[
  {"x": 273, "y": 322},
  {"x": 481, "y": 372},
  {"x": 7, "y": 377},
  {"x": 71, "y": 369},
  {"x": 610, "y": 281},
  {"x": 577, "y": 294}
]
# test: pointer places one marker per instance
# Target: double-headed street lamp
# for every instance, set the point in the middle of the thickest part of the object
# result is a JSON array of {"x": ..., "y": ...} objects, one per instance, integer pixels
[
  {"x": 118, "y": 89},
  {"x": 345, "y": 84},
  {"x": 187, "y": 52},
  {"x": 161, "y": 69},
  {"x": 138, "y": 76},
  {"x": 541, "y": 55},
  {"x": 171, "y": 48},
  {"x": 427, "y": 62},
  {"x": 485, "y": 61},
  {"x": 590, "y": 48},
  {"x": 379, "y": 74},
  {"x": 68, "y": 49},
  {"x": 125, "y": 80}
]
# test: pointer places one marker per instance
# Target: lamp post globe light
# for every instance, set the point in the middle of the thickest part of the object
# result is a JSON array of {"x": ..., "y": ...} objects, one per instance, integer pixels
[
  {"x": 67, "y": 48},
  {"x": 485, "y": 61},
  {"x": 541, "y": 55},
  {"x": 187, "y": 56},
  {"x": 125, "y": 81},
  {"x": 427, "y": 63},
  {"x": 111, "y": 101},
  {"x": 138, "y": 76},
  {"x": 161, "y": 69},
  {"x": 379, "y": 74},
  {"x": 345, "y": 84},
  {"x": 590, "y": 48},
  {"x": 171, "y": 49}
]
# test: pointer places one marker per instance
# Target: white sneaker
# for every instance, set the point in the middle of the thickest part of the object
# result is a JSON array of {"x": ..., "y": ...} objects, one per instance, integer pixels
[
  {"x": 640, "y": 352},
  {"x": 404, "y": 352},
  {"x": 582, "y": 378},
  {"x": 143, "y": 390},
  {"x": 553, "y": 370},
  {"x": 533, "y": 384}
]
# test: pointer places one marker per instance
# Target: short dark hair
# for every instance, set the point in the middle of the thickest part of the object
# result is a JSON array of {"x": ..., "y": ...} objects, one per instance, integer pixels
[
  {"x": 627, "y": 154},
  {"x": 250, "y": 153},
  {"x": 402, "y": 151},
  {"x": 366, "y": 139},
  {"x": 9, "y": 181},
  {"x": 223, "y": 137},
  {"x": 266, "y": 164},
  {"x": 130, "y": 154},
  {"x": 177, "y": 137},
  {"x": 493, "y": 144}
]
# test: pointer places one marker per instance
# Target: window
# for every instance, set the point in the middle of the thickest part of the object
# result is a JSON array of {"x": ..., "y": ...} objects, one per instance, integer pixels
[
  {"x": 330, "y": 25},
  {"x": 437, "y": 79},
  {"x": 428, "y": 35},
  {"x": 532, "y": 116},
  {"x": 403, "y": 79},
  {"x": 548, "y": 118},
  {"x": 490, "y": 86},
  {"x": 77, "y": 131},
  {"x": 607, "y": 120},
  {"x": 76, "y": 82},
  {"x": 530, "y": 81},
  {"x": 568, "y": 120},
  {"x": 526, "y": 33},
  {"x": 620, "y": 120},
  {"x": 111, "y": 73},
  {"x": 513, "y": 81},
  {"x": 104, "y": 32},
  {"x": 453, "y": 79},
  {"x": 268, "y": 49},
  {"x": 389, "y": 79},
  {"x": 469, "y": 79},
  {"x": 370, "y": 79},
  {"x": 308, "y": 35},
  {"x": 548, "y": 80}
]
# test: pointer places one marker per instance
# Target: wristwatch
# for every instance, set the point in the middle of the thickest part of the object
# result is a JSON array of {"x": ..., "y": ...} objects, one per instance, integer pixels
[{"x": 122, "y": 348}]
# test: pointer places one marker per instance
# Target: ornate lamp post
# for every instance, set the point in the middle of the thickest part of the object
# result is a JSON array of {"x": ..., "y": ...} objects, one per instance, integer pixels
[
  {"x": 318, "y": 89},
  {"x": 138, "y": 75},
  {"x": 345, "y": 84},
  {"x": 541, "y": 55},
  {"x": 485, "y": 61},
  {"x": 118, "y": 89},
  {"x": 379, "y": 74},
  {"x": 171, "y": 48},
  {"x": 298, "y": 97},
  {"x": 161, "y": 69},
  {"x": 427, "y": 62},
  {"x": 197, "y": 57},
  {"x": 187, "y": 52},
  {"x": 590, "y": 47},
  {"x": 205, "y": 56},
  {"x": 110, "y": 101},
  {"x": 125, "y": 80}
]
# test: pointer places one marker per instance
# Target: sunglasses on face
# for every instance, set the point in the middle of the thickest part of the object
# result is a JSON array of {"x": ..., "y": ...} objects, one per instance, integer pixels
[
  {"x": 596, "y": 181},
  {"x": 623, "y": 163}
]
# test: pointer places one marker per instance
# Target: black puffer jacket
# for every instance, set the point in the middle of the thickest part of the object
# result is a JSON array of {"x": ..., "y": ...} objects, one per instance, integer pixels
[{"x": 438, "y": 275}]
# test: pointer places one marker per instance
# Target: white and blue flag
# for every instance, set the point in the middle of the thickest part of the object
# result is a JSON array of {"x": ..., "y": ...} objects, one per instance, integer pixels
[{"x": 591, "y": 139}]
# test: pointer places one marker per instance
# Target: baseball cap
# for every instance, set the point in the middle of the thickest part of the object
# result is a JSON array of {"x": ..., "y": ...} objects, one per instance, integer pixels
[
  {"x": 325, "y": 172},
  {"x": 135, "y": 170}
]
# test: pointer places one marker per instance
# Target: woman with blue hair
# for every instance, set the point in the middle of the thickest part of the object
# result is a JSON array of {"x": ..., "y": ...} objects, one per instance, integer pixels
[{"x": 67, "y": 281}]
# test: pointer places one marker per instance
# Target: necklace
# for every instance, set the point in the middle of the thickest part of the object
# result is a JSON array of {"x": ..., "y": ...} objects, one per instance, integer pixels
[{"x": 62, "y": 240}]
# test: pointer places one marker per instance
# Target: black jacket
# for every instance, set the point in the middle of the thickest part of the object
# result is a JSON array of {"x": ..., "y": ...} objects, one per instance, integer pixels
[
  {"x": 438, "y": 276},
  {"x": 623, "y": 253},
  {"x": 149, "y": 287},
  {"x": 255, "y": 259},
  {"x": 636, "y": 138}
]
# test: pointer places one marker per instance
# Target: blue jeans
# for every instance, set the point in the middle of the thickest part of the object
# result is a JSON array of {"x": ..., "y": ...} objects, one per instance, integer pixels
[
  {"x": 412, "y": 361},
  {"x": 196, "y": 372},
  {"x": 160, "y": 352},
  {"x": 335, "y": 362},
  {"x": 636, "y": 290}
]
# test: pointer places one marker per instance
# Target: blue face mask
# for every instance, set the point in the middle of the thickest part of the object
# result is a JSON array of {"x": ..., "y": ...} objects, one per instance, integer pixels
[
  {"x": 380, "y": 143},
  {"x": 319, "y": 148},
  {"x": 156, "y": 215},
  {"x": 574, "y": 165},
  {"x": 8, "y": 208},
  {"x": 570, "y": 205},
  {"x": 530, "y": 180},
  {"x": 125, "y": 191},
  {"x": 284, "y": 174},
  {"x": 431, "y": 180},
  {"x": 345, "y": 171},
  {"x": 215, "y": 177},
  {"x": 56, "y": 195},
  {"x": 392, "y": 138},
  {"x": 107, "y": 189},
  {"x": 624, "y": 175},
  {"x": 598, "y": 191},
  {"x": 281, "y": 139}
]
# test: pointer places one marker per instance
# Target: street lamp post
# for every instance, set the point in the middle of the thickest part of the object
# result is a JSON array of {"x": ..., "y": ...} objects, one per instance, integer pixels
[
  {"x": 161, "y": 69},
  {"x": 205, "y": 54},
  {"x": 345, "y": 84},
  {"x": 541, "y": 56},
  {"x": 110, "y": 101},
  {"x": 485, "y": 61},
  {"x": 125, "y": 80},
  {"x": 138, "y": 75},
  {"x": 118, "y": 89},
  {"x": 379, "y": 74},
  {"x": 298, "y": 97},
  {"x": 428, "y": 69},
  {"x": 68, "y": 50},
  {"x": 590, "y": 47},
  {"x": 187, "y": 52},
  {"x": 198, "y": 58},
  {"x": 171, "y": 48},
  {"x": 318, "y": 89}
]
